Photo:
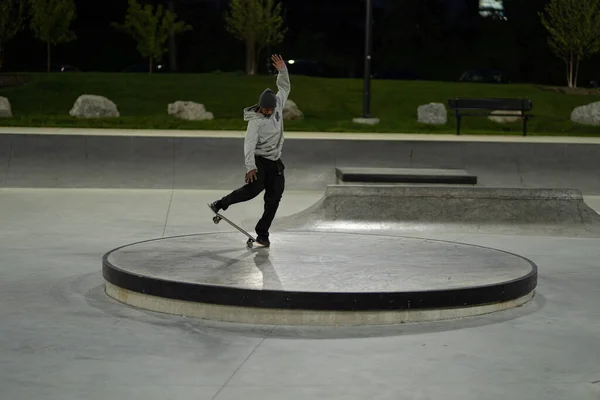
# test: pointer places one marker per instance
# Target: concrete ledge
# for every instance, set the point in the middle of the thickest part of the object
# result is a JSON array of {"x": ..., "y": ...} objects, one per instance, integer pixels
[{"x": 405, "y": 175}]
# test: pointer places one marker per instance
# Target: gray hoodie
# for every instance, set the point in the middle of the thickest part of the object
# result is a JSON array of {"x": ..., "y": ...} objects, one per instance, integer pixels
[{"x": 264, "y": 135}]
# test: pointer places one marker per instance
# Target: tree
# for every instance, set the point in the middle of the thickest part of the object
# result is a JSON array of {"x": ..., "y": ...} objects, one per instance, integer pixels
[
  {"x": 151, "y": 29},
  {"x": 12, "y": 15},
  {"x": 258, "y": 23},
  {"x": 574, "y": 28},
  {"x": 50, "y": 21}
]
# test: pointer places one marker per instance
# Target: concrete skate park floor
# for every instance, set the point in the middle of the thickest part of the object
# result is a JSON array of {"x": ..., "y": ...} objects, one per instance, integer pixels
[{"x": 62, "y": 337}]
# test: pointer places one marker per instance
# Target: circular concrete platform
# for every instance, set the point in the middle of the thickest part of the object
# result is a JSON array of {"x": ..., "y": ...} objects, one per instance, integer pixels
[{"x": 312, "y": 278}]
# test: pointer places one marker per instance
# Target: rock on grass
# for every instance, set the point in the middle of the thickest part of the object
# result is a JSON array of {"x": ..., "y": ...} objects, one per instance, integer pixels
[
  {"x": 5, "y": 109},
  {"x": 93, "y": 106},
  {"x": 587, "y": 115},
  {"x": 189, "y": 110},
  {"x": 432, "y": 113}
]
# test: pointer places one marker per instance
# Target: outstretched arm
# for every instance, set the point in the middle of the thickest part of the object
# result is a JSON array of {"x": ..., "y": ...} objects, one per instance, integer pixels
[{"x": 283, "y": 79}]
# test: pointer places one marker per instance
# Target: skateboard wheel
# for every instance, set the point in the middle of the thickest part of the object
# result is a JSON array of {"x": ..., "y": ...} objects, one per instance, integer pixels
[
  {"x": 249, "y": 244},
  {"x": 216, "y": 220}
]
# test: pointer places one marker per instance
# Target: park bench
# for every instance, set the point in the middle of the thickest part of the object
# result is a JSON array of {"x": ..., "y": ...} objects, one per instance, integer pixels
[{"x": 485, "y": 106}]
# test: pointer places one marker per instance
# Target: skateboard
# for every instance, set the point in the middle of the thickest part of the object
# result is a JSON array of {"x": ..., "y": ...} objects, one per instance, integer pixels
[{"x": 218, "y": 217}]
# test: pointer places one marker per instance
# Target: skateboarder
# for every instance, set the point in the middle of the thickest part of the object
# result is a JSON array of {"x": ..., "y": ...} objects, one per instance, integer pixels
[{"x": 262, "y": 151}]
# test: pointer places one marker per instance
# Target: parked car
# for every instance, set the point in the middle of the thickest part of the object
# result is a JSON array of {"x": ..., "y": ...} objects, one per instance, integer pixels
[{"x": 484, "y": 75}]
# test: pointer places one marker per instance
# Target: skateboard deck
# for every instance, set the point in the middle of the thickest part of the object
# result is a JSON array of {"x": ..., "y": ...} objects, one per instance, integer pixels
[{"x": 218, "y": 217}]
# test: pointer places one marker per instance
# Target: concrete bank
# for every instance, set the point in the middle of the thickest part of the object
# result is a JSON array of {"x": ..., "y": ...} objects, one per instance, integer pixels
[
  {"x": 383, "y": 208},
  {"x": 91, "y": 159}
]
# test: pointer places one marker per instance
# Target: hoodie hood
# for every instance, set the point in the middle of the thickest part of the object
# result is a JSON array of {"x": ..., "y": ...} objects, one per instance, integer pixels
[{"x": 251, "y": 113}]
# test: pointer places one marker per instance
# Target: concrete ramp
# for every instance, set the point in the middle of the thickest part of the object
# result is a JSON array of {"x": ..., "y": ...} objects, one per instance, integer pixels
[{"x": 465, "y": 209}]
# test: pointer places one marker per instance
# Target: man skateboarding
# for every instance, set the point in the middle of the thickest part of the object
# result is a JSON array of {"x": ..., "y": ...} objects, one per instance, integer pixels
[{"x": 262, "y": 151}]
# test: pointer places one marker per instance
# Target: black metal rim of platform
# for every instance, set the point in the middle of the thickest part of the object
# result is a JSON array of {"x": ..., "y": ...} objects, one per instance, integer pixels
[{"x": 321, "y": 301}]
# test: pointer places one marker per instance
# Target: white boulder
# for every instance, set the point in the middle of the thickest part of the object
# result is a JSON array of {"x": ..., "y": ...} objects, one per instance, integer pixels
[
  {"x": 93, "y": 106},
  {"x": 189, "y": 110},
  {"x": 291, "y": 111},
  {"x": 5, "y": 109},
  {"x": 587, "y": 115},
  {"x": 432, "y": 113},
  {"x": 502, "y": 119}
]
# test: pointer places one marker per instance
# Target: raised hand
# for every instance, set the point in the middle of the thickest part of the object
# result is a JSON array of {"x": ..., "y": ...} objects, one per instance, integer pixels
[{"x": 278, "y": 62}]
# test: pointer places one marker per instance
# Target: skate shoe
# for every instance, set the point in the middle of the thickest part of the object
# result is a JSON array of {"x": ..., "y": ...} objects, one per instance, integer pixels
[
  {"x": 217, "y": 206},
  {"x": 262, "y": 242}
]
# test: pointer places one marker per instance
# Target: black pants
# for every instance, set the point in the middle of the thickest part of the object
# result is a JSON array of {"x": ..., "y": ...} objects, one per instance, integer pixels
[{"x": 271, "y": 179}]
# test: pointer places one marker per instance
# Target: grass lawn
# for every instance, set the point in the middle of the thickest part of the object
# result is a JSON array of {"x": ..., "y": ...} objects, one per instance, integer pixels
[{"x": 328, "y": 104}]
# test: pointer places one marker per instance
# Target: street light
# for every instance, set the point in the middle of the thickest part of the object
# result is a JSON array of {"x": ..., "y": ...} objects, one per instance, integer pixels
[
  {"x": 366, "y": 116},
  {"x": 367, "y": 81}
]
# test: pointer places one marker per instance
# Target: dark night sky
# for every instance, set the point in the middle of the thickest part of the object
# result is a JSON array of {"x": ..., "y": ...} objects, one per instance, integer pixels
[
  {"x": 422, "y": 38},
  {"x": 96, "y": 40}
]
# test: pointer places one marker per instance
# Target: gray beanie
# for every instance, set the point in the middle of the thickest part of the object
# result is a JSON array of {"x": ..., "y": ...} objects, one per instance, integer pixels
[{"x": 267, "y": 99}]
